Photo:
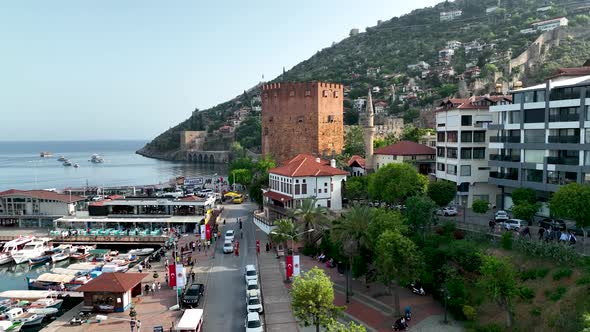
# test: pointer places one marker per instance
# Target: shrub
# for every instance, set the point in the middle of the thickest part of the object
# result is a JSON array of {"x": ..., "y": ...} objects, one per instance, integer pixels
[
  {"x": 449, "y": 227},
  {"x": 528, "y": 275},
  {"x": 506, "y": 241},
  {"x": 465, "y": 254},
  {"x": 558, "y": 252},
  {"x": 526, "y": 293},
  {"x": 469, "y": 312},
  {"x": 542, "y": 272},
  {"x": 536, "y": 311},
  {"x": 583, "y": 281},
  {"x": 490, "y": 328},
  {"x": 558, "y": 294},
  {"x": 309, "y": 250},
  {"x": 458, "y": 235},
  {"x": 562, "y": 273}
]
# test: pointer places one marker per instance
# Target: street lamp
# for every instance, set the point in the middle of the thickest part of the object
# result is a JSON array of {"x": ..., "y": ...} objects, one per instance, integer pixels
[
  {"x": 446, "y": 297},
  {"x": 292, "y": 236}
]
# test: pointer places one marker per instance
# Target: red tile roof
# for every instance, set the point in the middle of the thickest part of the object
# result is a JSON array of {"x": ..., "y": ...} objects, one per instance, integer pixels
[
  {"x": 406, "y": 148},
  {"x": 112, "y": 282},
  {"x": 306, "y": 165},
  {"x": 42, "y": 194},
  {"x": 469, "y": 103},
  {"x": 277, "y": 196},
  {"x": 358, "y": 160}
]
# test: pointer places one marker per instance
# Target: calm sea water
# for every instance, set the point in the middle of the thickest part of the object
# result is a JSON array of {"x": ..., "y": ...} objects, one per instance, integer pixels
[{"x": 22, "y": 168}]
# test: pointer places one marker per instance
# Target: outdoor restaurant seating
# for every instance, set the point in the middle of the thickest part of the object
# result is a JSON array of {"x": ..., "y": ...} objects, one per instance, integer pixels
[{"x": 107, "y": 232}]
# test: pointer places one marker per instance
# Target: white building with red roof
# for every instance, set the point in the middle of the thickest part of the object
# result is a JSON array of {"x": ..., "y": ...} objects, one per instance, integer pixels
[
  {"x": 420, "y": 155},
  {"x": 357, "y": 165},
  {"x": 36, "y": 208},
  {"x": 303, "y": 176}
]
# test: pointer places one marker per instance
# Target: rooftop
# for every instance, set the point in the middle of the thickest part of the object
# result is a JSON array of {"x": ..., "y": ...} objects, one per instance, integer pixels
[
  {"x": 406, "y": 148},
  {"x": 556, "y": 84},
  {"x": 115, "y": 282},
  {"x": 358, "y": 160},
  {"x": 472, "y": 103},
  {"x": 42, "y": 194},
  {"x": 306, "y": 165}
]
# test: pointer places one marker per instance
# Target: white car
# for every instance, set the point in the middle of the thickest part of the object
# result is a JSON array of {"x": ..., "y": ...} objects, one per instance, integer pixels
[
  {"x": 250, "y": 273},
  {"x": 447, "y": 211},
  {"x": 501, "y": 215},
  {"x": 513, "y": 224},
  {"x": 252, "y": 288},
  {"x": 253, "y": 303},
  {"x": 229, "y": 235},
  {"x": 228, "y": 247},
  {"x": 253, "y": 322}
]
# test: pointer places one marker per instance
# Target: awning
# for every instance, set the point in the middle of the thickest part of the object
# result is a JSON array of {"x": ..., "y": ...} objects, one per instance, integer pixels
[
  {"x": 277, "y": 197},
  {"x": 56, "y": 278},
  {"x": 232, "y": 194}
]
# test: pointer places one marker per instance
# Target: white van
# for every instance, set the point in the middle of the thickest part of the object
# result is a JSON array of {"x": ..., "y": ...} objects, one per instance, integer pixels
[{"x": 191, "y": 321}]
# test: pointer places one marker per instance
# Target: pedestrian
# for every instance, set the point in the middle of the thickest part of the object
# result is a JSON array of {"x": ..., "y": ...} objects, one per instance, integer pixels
[
  {"x": 573, "y": 239},
  {"x": 166, "y": 262},
  {"x": 194, "y": 244},
  {"x": 153, "y": 288},
  {"x": 193, "y": 275},
  {"x": 266, "y": 247},
  {"x": 158, "y": 286},
  {"x": 491, "y": 224},
  {"x": 199, "y": 245},
  {"x": 139, "y": 268},
  {"x": 166, "y": 279},
  {"x": 541, "y": 232}
]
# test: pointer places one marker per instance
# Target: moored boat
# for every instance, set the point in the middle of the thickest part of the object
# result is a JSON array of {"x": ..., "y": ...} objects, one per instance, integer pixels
[
  {"x": 61, "y": 158},
  {"x": 44, "y": 311},
  {"x": 17, "y": 315},
  {"x": 46, "y": 154},
  {"x": 31, "y": 250},
  {"x": 76, "y": 165},
  {"x": 81, "y": 252},
  {"x": 141, "y": 252},
  {"x": 116, "y": 265},
  {"x": 61, "y": 253},
  {"x": 67, "y": 163},
  {"x": 8, "y": 326},
  {"x": 97, "y": 159},
  {"x": 12, "y": 247},
  {"x": 49, "y": 302}
]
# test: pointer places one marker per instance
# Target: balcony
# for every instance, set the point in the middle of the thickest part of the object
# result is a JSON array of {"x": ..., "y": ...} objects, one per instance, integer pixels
[
  {"x": 505, "y": 176},
  {"x": 564, "y": 139},
  {"x": 495, "y": 126},
  {"x": 563, "y": 161},
  {"x": 564, "y": 117},
  {"x": 499, "y": 157},
  {"x": 505, "y": 139}
]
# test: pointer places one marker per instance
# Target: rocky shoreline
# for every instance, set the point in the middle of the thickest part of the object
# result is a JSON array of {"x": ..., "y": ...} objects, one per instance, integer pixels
[{"x": 174, "y": 155}]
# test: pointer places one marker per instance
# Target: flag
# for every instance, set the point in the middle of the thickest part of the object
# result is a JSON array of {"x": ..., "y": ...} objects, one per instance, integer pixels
[
  {"x": 172, "y": 275},
  {"x": 208, "y": 232},
  {"x": 203, "y": 233},
  {"x": 180, "y": 276},
  {"x": 296, "y": 266},
  {"x": 289, "y": 266}
]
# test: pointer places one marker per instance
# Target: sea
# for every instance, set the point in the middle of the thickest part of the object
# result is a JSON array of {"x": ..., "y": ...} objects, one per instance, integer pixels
[{"x": 21, "y": 167}]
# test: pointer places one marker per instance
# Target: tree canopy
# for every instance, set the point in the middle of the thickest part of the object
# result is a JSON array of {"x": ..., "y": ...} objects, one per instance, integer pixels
[
  {"x": 499, "y": 281},
  {"x": 420, "y": 212},
  {"x": 442, "y": 192},
  {"x": 480, "y": 206},
  {"x": 571, "y": 202},
  {"x": 395, "y": 182},
  {"x": 354, "y": 143},
  {"x": 356, "y": 187}
]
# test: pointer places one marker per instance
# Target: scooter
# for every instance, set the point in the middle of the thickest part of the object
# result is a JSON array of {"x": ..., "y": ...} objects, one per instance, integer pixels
[
  {"x": 417, "y": 289},
  {"x": 400, "y": 325}
]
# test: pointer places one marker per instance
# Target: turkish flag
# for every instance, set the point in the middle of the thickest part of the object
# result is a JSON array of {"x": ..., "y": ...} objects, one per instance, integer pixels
[
  {"x": 172, "y": 275},
  {"x": 289, "y": 265},
  {"x": 208, "y": 232}
]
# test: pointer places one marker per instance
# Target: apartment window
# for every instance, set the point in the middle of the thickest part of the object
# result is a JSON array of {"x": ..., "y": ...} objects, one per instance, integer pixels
[
  {"x": 588, "y": 112},
  {"x": 297, "y": 189},
  {"x": 517, "y": 98},
  {"x": 533, "y": 175},
  {"x": 534, "y": 136},
  {"x": 586, "y": 158},
  {"x": 534, "y": 115},
  {"x": 452, "y": 136},
  {"x": 540, "y": 95},
  {"x": 440, "y": 136},
  {"x": 442, "y": 124},
  {"x": 587, "y": 139},
  {"x": 465, "y": 170},
  {"x": 534, "y": 156},
  {"x": 440, "y": 167},
  {"x": 452, "y": 153},
  {"x": 529, "y": 96},
  {"x": 514, "y": 117},
  {"x": 440, "y": 152},
  {"x": 479, "y": 153},
  {"x": 479, "y": 136},
  {"x": 466, "y": 120},
  {"x": 304, "y": 188},
  {"x": 565, "y": 93},
  {"x": 452, "y": 169},
  {"x": 466, "y": 136},
  {"x": 564, "y": 114},
  {"x": 465, "y": 153}
]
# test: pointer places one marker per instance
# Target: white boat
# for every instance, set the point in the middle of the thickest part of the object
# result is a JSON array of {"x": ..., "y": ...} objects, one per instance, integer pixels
[
  {"x": 117, "y": 265},
  {"x": 141, "y": 252},
  {"x": 49, "y": 302},
  {"x": 76, "y": 165},
  {"x": 44, "y": 311},
  {"x": 31, "y": 250},
  {"x": 12, "y": 247},
  {"x": 61, "y": 158},
  {"x": 46, "y": 154},
  {"x": 96, "y": 159},
  {"x": 67, "y": 163},
  {"x": 17, "y": 315},
  {"x": 62, "y": 253},
  {"x": 8, "y": 326}
]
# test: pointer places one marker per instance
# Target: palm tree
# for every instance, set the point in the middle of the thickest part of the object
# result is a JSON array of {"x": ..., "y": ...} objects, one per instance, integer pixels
[
  {"x": 310, "y": 216},
  {"x": 283, "y": 232}
]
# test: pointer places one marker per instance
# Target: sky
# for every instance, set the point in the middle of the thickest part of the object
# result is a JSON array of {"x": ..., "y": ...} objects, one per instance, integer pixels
[{"x": 111, "y": 69}]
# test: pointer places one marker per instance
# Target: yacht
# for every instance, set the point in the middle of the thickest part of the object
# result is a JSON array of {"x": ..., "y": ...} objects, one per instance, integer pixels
[
  {"x": 46, "y": 154},
  {"x": 61, "y": 158},
  {"x": 76, "y": 165},
  {"x": 141, "y": 252},
  {"x": 17, "y": 315},
  {"x": 67, "y": 163},
  {"x": 96, "y": 159},
  {"x": 12, "y": 247},
  {"x": 33, "y": 249}
]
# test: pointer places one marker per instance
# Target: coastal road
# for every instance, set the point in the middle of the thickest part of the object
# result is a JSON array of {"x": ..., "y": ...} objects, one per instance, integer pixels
[{"x": 225, "y": 300}]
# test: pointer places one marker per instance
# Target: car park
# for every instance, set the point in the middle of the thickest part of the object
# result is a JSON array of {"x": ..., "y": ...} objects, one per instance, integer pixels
[
  {"x": 447, "y": 211},
  {"x": 250, "y": 273},
  {"x": 253, "y": 322},
  {"x": 228, "y": 247},
  {"x": 229, "y": 235},
  {"x": 501, "y": 215},
  {"x": 513, "y": 224},
  {"x": 192, "y": 295},
  {"x": 253, "y": 302}
]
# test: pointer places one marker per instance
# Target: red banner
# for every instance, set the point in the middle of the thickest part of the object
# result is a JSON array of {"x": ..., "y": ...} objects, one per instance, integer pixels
[
  {"x": 289, "y": 265},
  {"x": 258, "y": 246},
  {"x": 172, "y": 275},
  {"x": 208, "y": 232}
]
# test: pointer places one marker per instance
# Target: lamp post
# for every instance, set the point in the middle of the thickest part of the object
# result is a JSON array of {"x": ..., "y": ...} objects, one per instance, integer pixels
[
  {"x": 291, "y": 237},
  {"x": 446, "y": 297}
]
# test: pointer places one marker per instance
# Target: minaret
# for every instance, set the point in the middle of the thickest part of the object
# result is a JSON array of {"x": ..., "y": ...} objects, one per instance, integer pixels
[{"x": 369, "y": 130}]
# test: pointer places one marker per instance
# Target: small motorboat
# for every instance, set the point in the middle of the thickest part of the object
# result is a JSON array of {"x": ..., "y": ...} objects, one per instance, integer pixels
[
  {"x": 67, "y": 163},
  {"x": 61, "y": 158},
  {"x": 49, "y": 302},
  {"x": 12, "y": 247},
  {"x": 17, "y": 315},
  {"x": 44, "y": 311},
  {"x": 47, "y": 256},
  {"x": 114, "y": 253},
  {"x": 60, "y": 256},
  {"x": 141, "y": 252},
  {"x": 116, "y": 265},
  {"x": 8, "y": 326},
  {"x": 46, "y": 154},
  {"x": 96, "y": 159},
  {"x": 76, "y": 165},
  {"x": 82, "y": 252}
]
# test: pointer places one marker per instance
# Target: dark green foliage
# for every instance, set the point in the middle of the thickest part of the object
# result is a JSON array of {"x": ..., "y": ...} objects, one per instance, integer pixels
[
  {"x": 356, "y": 187},
  {"x": 562, "y": 273},
  {"x": 490, "y": 328},
  {"x": 556, "y": 296},
  {"x": 585, "y": 280},
  {"x": 542, "y": 272},
  {"x": 533, "y": 274},
  {"x": 395, "y": 182},
  {"x": 354, "y": 143},
  {"x": 558, "y": 252},
  {"x": 442, "y": 192},
  {"x": 506, "y": 240},
  {"x": 480, "y": 206},
  {"x": 249, "y": 133},
  {"x": 466, "y": 254},
  {"x": 524, "y": 195},
  {"x": 536, "y": 311},
  {"x": 526, "y": 293}
]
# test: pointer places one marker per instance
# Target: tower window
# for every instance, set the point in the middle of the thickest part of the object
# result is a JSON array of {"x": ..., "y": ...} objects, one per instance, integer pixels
[
  {"x": 300, "y": 119},
  {"x": 330, "y": 118},
  {"x": 325, "y": 93},
  {"x": 335, "y": 94},
  {"x": 292, "y": 93},
  {"x": 307, "y": 93}
]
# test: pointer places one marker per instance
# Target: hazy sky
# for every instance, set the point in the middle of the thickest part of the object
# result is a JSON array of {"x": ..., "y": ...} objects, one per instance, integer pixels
[{"x": 115, "y": 69}]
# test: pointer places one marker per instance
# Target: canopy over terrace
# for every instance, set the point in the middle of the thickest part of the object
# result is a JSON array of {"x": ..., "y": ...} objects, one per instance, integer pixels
[
  {"x": 151, "y": 223},
  {"x": 191, "y": 205}
]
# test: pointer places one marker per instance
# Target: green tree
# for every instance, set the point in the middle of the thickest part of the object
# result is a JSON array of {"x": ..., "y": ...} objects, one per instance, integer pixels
[
  {"x": 354, "y": 141},
  {"x": 412, "y": 133},
  {"x": 571, "y": 202},
  {"x": 442, "y": 192},
  {"x": 524, "y": 195},
  {"x": 242, "y": 163},
  {"x": 395, "y": 182},
  {"x": 284, "y": 232},
  {"x": 237, "y": 150},
  {"x": 447, "y": 90},
  {"x": 263, "y": 165},
  {"x": 382, "y": 220},
  {"x": 242, "y": 176},
  {"x": 336, "y": 326},
  {"x": 255, "y": 190},
  {"x": 310, "y": 215},
  {"x": 398, "y": 262},
  {"x": 356, "y": 187},
  {"x": 420, "y": 212},
  {"x": 312, "y": 299},
  {"x": 498, "y": 279},
  {"x": 411, "y": 115},
  {"x": 480, "y": 206},
  {"x": 525, "y": 204}
]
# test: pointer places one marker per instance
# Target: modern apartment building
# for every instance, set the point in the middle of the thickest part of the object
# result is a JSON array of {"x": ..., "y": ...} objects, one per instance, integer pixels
[
  {"x": 461, "y": 146},
  {"x": 542, "y": 139}
]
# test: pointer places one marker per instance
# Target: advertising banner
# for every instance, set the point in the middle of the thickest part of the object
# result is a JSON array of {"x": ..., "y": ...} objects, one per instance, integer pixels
[
  {"x": 296, "y": 267},
  {"x": 203, "y": 233},
  {"x": 180, "y": 276},
  {"x": 191, "y": 182},
  {"x": 289, "y": 266},
  {"x": 172, "y": 275}
]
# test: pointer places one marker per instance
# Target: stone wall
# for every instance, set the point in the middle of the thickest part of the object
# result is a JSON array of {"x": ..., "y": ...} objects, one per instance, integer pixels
[{"x": 190, "y": 139}]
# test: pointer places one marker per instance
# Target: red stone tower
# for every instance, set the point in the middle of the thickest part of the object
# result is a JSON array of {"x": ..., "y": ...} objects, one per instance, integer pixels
[{"x": 302, "y": 118}]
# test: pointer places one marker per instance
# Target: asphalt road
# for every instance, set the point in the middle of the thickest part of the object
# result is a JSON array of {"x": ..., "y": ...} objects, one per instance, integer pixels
[{"x": 225, "y": 300}]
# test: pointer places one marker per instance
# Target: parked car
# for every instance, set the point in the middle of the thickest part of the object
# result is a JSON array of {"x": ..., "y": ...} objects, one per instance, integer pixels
[
  {"x": 253, "y": 322},
  {"x": 250, "y": 273},
  {"x": 554, "y": 224},
  {"x": 513, "y": 224},
  {"x": 447, "y": 211},
  {"x": 228, "y": 247},
  {"x": 229, "y": 235},
  {"x": 193, "y": 295},
  {"x": 252, "y": 288},
  {"x": 253, "y": 303},
  {"x": 501, "y": 215}
]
